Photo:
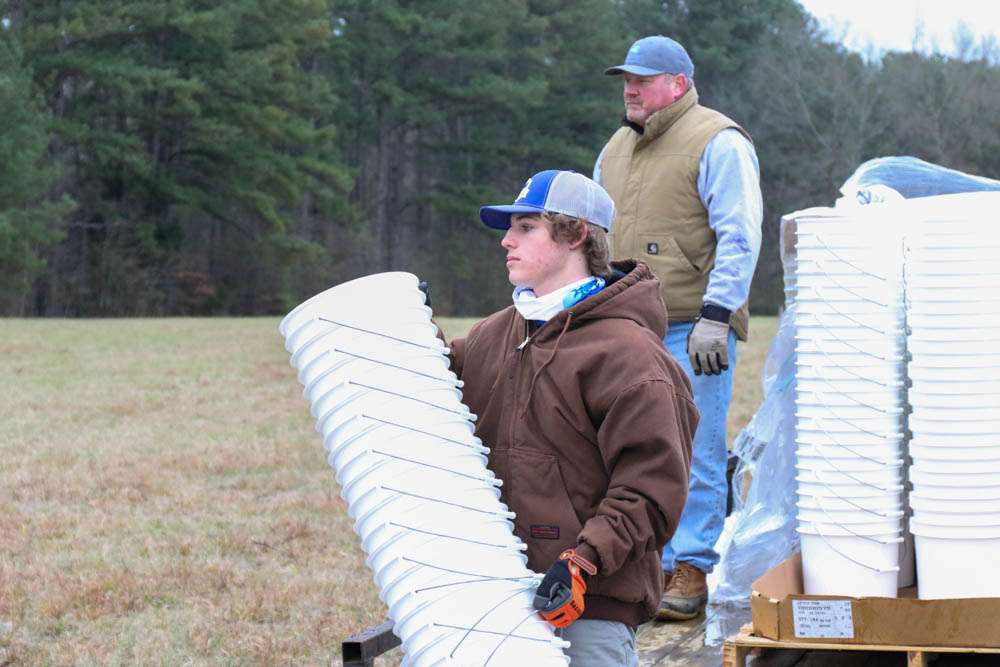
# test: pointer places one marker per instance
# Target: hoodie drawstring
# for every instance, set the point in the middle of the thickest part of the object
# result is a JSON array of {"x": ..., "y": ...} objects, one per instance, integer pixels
[{"x": 531, "y": 387}]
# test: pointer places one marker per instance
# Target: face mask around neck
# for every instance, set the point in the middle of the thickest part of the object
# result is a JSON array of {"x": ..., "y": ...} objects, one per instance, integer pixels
[{"x": 545, "y": 307}]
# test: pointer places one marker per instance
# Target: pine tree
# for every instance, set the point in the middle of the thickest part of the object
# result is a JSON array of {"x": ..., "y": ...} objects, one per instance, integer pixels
[
  {"x": 190, "y": 128},
  {"x": 29, "y": 219}
]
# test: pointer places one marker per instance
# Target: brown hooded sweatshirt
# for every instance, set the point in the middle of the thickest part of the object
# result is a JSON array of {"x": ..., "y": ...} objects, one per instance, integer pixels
[{"x": 590, "y": 424}]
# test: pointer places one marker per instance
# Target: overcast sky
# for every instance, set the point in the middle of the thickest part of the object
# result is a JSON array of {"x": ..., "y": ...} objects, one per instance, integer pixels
[{"x": 890, "y": 25}]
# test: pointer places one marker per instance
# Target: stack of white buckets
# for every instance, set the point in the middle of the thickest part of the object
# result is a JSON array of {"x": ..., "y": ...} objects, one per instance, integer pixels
[
  {"x": 414, "y": 475},
  {"x": 953, "y": 313},
  {"x": 850, "y": 418},
  {"x": 876, "y": 285}
]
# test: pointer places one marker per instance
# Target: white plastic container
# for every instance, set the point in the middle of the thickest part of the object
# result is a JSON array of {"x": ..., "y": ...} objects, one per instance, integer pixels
[
  {"x": 848, "y": 564},
  {"x": 882, "y": 478},
  {"x": 873, "y": 455},
  {"x": 922, "y": 478},
  {"x": 956, "y": 561},
  {"x": 933, "y": 453},
  {"x": 884, "y": 521},
  {"x": 951, "y": 506},
  {"x": 808, "y": 486}
]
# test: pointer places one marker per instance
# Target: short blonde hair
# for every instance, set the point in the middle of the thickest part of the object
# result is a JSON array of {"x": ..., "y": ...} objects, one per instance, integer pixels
[{"x": 596, "y": 249}]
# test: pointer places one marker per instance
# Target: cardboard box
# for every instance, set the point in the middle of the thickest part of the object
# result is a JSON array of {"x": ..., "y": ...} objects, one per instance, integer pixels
[{"x": 781, "y": 611}]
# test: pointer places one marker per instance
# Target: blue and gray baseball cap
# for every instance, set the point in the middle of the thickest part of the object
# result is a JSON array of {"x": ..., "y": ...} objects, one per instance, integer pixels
[
  {"x": 555, "y": 191},
  {"x": 655, "y": 55}
]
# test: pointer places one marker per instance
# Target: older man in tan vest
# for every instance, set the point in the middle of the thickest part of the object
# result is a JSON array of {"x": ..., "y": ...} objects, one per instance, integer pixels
[{"x": 686, "y": 187}]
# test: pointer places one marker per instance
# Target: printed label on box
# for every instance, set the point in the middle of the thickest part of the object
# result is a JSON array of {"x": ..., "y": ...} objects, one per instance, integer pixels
[{"x": 823, "y": 619}]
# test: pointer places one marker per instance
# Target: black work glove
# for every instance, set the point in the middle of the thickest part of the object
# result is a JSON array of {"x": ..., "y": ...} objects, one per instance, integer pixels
[
  {"x": 423, "y": 287},
  {"x": 559, "y": 598}
]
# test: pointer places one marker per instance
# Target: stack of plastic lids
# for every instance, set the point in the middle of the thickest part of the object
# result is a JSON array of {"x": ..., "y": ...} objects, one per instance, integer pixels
[
  {"x": 426, "y": 508},
  {"x": 850, "y": 402},
  {"x": 953, "y": 312}
]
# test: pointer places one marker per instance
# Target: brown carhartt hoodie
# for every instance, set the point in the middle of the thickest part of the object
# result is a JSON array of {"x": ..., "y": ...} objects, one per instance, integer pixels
[{"x": 590, "y": 424}]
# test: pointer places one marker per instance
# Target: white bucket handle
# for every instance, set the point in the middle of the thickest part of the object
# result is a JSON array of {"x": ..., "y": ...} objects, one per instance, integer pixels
[
  {"x": 853, "y": 426},
  {"x": 846, "y": 500},
  {"x": 819, "y": 263},
  {"x": 854, "y": 347},
  {"x": 849, "y": 397},
  {"x": 834, "y": 465},
  {"x": 819, "y": 476},
  {"x": 851, "y": 318},
  {"x": 819, "y": 532},
  {"x": 862, "y": 297},
  {"x": 847, "y": 369}
]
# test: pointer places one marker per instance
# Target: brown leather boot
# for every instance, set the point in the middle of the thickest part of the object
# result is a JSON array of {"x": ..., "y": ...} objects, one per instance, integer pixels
[{"x": 685, "y": 596}]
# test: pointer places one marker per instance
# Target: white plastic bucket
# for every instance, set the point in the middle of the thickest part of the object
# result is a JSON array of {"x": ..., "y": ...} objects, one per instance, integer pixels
[
  {"x": 887, "y": 400},
  {"x": 875, "y": 350},
  {"x": 957, "y": 493},
  {"x": 883, "y": 375},
  {"x": 883, "y": 478},
  {"x": 920, "y": 502},
  {"x": 848, "y": 464},
  {"x": 886, "y": 296},
  {"x": 959, "y": 390},
  {"x": 850, "y": 412},
  {"x": 958, "y": 355},
  {"x": 835, "y": 453},
  {"x": 832, "y": 564},
  {"x": 823, "y": 359},
  {"x": 941, "y": 424},
  {"x": 922, "y": 478},
  {"x": 881, "y": 427},
  {"x": 808, "y": 486},
  {"x": 956, "y": 519},
  {"x": 942, "y": 467},
  {"x": 945, "y": 293},
  {"x": 956, "y": 561},
  {"x": 950, "y": 453},
  {"x": 852, "y": 439},
  {"x": 985, "y": 321},
  {"x": 957, "y": 414},
  {"x": 925, "y": 397},
  {"x": 846, "y": 386},
  {"x": 888, "y": 520},
  {"x": 883, "y": 325},
  {"x": 884, "y": 506}
]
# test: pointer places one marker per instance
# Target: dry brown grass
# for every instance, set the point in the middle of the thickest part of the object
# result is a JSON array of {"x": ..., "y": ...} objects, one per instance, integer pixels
[{"x": 164, "y": 498}]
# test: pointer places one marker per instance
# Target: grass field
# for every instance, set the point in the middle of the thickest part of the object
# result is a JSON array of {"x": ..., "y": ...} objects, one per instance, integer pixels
[{"x": 165, "y": 500}]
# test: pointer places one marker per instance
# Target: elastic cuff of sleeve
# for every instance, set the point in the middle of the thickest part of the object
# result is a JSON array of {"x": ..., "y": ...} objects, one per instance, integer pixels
[
  {"x": 710, "y": 311},
  {"x": 589, "y": 553}
]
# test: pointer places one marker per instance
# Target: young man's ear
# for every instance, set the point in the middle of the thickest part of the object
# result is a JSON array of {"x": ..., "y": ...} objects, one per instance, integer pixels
[{"x": 584, "y": 233}]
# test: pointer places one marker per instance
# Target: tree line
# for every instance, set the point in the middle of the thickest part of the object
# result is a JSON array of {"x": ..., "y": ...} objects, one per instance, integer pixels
[{"x": 185, "y": 157}]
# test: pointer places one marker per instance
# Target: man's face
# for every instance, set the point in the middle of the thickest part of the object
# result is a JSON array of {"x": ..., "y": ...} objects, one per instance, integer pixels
[
  {"x": 533, "y": 259},
  {"x": 645, "y": 95}
]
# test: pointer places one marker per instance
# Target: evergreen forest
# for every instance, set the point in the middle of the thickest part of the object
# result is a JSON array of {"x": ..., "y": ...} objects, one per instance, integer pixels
[{"x": 233, "y": 157}]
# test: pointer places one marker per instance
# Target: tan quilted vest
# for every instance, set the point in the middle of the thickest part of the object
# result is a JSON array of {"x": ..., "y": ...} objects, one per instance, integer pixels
[{"x": 659, "y": 218}]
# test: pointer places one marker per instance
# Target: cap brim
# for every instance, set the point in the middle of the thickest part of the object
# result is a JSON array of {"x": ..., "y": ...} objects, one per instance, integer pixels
[
  {"x": 498, "y": 217},
  {"x": 632, "y": 69}
]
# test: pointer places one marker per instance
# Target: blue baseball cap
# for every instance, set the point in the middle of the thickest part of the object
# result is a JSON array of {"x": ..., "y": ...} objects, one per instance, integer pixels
[
  {"x": 555, "y": 191},
  {"x": 655, "y": 55}
]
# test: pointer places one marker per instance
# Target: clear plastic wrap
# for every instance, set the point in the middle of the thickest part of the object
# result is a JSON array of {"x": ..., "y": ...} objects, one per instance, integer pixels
[
  {"x": 762, "y": 531},
  {"x": 906, "y": 177}
]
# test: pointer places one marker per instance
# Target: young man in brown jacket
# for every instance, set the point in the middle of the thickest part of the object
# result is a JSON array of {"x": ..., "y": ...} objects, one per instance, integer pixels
[{"x": 589, "y": 420}]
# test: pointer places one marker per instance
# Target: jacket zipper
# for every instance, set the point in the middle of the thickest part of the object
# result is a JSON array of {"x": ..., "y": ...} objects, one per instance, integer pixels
[{"x": 515, "y": 367}]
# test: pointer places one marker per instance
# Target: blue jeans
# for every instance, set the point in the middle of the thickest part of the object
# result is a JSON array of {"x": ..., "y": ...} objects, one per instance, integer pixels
[{"x": 705, "y": 511}]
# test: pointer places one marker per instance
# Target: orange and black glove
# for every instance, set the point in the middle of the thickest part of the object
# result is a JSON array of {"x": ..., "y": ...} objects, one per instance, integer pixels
[{"x": 559, "y": 598}]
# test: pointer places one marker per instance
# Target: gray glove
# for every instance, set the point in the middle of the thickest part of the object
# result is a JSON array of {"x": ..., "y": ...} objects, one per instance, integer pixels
[{"x": 708, "y": 346}]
